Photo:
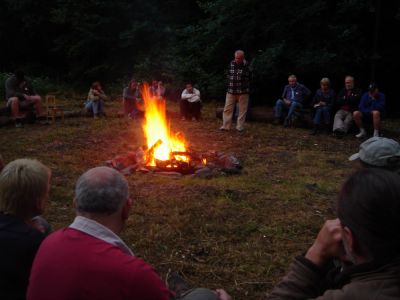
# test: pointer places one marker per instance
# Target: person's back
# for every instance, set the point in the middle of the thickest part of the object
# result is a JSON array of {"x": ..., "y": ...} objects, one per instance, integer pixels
[
  {"x": 24, "y": 187},
  {"x": 72, "y": 264}
]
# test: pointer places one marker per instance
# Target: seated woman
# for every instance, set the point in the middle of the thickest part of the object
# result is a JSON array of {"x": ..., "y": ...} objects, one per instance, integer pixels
[
  {"x": 322, "y": 104},
  {"x": 190, "y": 103},
  {"x": 24, "y": 191},
  {"x": 130, "y": 99},
  {"x": 95, "y": 101}
]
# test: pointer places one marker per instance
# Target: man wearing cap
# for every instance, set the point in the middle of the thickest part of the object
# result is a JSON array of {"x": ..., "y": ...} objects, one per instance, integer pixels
[
  {"x": 357, "y": 255},
  {"x": 371, "y": 108},
  {"x": 379, "y": 152}
]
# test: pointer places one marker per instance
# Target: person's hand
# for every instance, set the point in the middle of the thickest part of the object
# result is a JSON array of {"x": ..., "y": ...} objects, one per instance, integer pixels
[
  {"x": 222, "y": 294},
  {"x": 322, "y": 103},
  {"x": 328, "y": 243},
  {"x": 287, "y": 102}
]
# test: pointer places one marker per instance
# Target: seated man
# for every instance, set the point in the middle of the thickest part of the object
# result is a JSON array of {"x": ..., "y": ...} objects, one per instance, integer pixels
[
  {"x": 347, "y": 101},
  {"x": 356, "y": 256},
  {"x": 371, "y": 108},
  {"x": 293, "y": 97},
  {"x": 88, "y": 260},
  {"x": 190, "y": 103},
  {"x": 20, "y": 94},
  {"x": 379, "y": 152}
]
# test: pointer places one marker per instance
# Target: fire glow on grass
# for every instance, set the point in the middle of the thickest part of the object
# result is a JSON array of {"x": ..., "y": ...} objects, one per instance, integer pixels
[{"x": 157, "y": 133}]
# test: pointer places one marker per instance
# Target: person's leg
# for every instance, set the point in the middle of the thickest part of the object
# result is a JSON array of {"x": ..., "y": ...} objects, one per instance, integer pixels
[
  {"x": 292, "y": 108},
  {"x": 13, "y": 102},
  {"x": 36, "y": 101},
  {"x": 357, "y": 117},
  {"x": 95, "y": 107},
  {"x": 278, "y": 109},
  {"x": 243, "y": 103},
  {"x": 196, "y": 110},
  {"x": 228, "y": 111},
  {"x": 183, "y": 108},
  {"x": 376, "y": 119},
  {"x": 338, "y": 124},
  {"x": 326, "y": 115},
  {"x": 317, "y": 116},
  {"x": 101, "y": 107},
  {"x": 89, "y": 106},
  {"x": 348, "y": 119}
]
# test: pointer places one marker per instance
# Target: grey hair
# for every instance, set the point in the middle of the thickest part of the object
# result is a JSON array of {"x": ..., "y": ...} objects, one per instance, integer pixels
[
  {"x": 325, "y": 80},
  {"x": 101, "y": 190},
  {"x": 241, "y": 52}
]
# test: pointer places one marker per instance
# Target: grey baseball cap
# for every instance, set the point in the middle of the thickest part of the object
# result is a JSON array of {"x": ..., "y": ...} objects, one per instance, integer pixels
[{"x": 377, "y": 151}]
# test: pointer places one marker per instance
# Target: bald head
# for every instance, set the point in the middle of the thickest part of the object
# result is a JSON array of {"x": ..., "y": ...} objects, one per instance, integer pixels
[{"x": 101, "y": 190}]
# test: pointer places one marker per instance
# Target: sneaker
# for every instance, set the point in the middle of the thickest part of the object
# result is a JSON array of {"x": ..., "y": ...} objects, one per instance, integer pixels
[
  {"x": 339, "y": 133},
  {"x": 19, "y": 125},
  {"x": 177, "y": 284},
  {"x": 240, "y": 129},
  {"x": 361, "y": 134},
  {"x": 223, "y": 129}
]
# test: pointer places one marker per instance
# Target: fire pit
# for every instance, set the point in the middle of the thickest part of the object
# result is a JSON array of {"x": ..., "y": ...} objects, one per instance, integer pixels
[{"x": 168, "y": 154}]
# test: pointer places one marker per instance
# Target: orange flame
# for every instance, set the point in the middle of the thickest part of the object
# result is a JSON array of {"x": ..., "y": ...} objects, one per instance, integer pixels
[{"x": 157, "y": 132}]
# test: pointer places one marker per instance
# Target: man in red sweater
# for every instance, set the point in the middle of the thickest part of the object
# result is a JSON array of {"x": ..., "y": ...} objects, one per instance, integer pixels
[{"x": 87, "y": 260}]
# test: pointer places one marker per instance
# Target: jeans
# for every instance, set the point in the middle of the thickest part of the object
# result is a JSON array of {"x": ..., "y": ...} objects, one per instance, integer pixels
[
  {"x": 324, "y": 113},
  {"x": 281, "y": 106},
  {"x": 97, "y": 107}
]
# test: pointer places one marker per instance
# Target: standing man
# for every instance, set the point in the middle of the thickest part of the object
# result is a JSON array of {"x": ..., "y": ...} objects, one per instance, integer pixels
[
  {"x": 371, "y": 108},
  {"x": 347, "y": 101},
  {"x": 293, "y": 97},
  {"x": 21, "y": 94},
  {"x": 238, "y": 91}
]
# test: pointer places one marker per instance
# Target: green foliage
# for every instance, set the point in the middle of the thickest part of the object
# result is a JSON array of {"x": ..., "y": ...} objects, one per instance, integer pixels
[{"x": 181, "y": 40}]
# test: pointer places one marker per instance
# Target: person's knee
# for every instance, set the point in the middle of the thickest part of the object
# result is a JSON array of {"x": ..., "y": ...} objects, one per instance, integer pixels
[
  {"x": 357, "y": 114},
  {"x": 279, "y": 102},
  {"x": 376, "y": 114}
]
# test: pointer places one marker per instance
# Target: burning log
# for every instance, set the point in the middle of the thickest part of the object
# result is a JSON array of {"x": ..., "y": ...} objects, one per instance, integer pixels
[{"x": 150, "y": 152}]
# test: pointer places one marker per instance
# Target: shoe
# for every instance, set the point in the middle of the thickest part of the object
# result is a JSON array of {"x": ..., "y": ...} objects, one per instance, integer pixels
[
  {"x": 361, "y": 134},
  {"x": 338, "y": 133},
  {"x": 177, "y": 284},
  {"x": 223, "y": 129},
  {"x": 19, "y": 125},
  {"x": 240, "y": 129}
]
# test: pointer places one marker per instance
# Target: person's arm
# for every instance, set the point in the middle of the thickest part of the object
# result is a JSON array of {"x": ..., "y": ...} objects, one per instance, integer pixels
[
  {"x": 92, "y": 96},
  {"x": 186, "y": 95},
  {"x": 364, "y": 105},
  {"x": 102, "y": 95},
  {"x": 379, "y": 104},
  {"x": 306, "y": 277}
]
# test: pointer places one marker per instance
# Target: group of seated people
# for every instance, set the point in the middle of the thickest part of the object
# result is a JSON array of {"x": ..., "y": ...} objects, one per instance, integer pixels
[
  {"x": 355, "y": 256},
  {"x": 132, "y": 100},
  {"x": 348, "y": 105}
]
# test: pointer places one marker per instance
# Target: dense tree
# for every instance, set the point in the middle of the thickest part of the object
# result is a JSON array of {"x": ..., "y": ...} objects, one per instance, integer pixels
[{"x": 178, "y": 40}]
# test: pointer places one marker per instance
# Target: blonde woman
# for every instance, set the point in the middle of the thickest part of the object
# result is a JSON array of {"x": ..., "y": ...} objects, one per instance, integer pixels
[{"x": 24, "y": 191}]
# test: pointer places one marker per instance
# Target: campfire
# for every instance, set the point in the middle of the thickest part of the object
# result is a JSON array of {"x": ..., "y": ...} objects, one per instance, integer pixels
[{"x": 167, "y": 153}]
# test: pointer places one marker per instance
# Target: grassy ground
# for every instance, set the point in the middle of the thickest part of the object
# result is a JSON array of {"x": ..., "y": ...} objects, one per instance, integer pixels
[{"x": 238, "y": 232}]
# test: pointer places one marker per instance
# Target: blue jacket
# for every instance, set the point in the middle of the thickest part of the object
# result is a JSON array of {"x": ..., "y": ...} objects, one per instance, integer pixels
[
  {"x": 368, "y": 103},
  {"x": 301, "y": 92}
]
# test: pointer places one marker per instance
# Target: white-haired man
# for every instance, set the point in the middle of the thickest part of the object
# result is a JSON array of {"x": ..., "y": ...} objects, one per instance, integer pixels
[{"x": 238, "y": 91}]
